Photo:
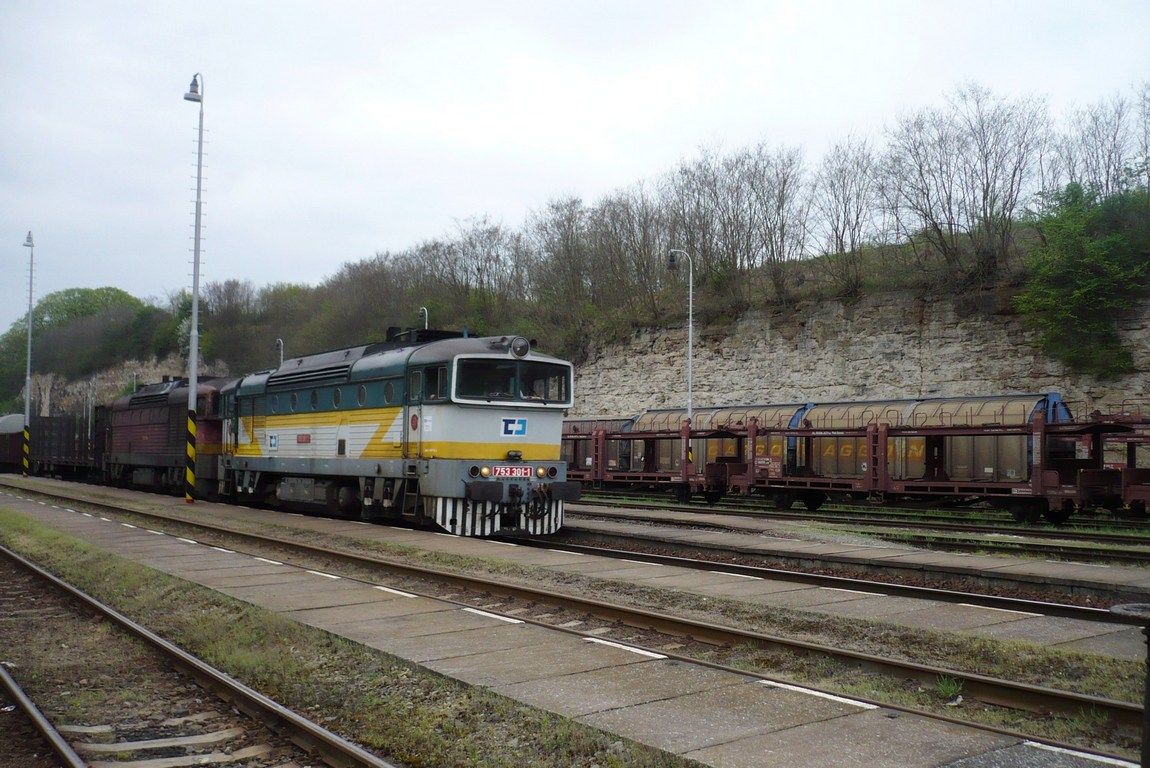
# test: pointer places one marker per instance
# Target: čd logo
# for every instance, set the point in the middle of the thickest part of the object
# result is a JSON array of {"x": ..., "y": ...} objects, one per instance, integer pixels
[{"x": 514, "y": 427}]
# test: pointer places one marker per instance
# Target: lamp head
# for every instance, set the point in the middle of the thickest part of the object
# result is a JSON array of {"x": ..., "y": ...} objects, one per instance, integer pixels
[
  {"x": 28, "y": 242},
  {"x": 672, "y": 260},
  {"x": 193, "y": 93}
]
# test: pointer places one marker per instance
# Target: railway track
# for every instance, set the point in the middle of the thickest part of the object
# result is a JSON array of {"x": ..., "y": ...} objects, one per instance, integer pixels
[
  {"x": 208, "y": 729},
  {"x": 984, "y": 521},
  {"x": 64, "y": 754},
  {"x": 1006, "y": 693},
  {"x": 1092, "y": 546},
  {"x": 1020, "y": 605}
]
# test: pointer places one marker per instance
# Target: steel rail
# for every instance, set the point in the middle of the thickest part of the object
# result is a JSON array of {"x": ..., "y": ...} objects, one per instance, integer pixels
[
  {"x": 886, "y": 588},
  {"x": 991, "y": 690},
  {"x": 55, "y": 740},
  {"x": 332, "y": 749}
]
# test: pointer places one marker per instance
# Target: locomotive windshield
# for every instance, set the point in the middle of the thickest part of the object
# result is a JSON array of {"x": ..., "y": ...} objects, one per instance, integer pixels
[{"x": 513, "y": 380}]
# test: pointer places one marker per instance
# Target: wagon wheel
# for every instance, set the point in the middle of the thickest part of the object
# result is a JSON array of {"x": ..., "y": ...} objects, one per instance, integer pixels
[
  {"x": 784, "y": 500},
  {"x": 682, "y": 493},
  {"x": 712, "y": 497}
]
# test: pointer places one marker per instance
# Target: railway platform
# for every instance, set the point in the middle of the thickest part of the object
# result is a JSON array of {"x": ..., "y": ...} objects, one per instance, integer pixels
[{"x": 716, "y": 717}]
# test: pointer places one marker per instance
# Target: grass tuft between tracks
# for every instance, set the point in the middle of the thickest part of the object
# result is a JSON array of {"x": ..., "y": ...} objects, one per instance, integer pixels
[{"x": 408, "y": 714}]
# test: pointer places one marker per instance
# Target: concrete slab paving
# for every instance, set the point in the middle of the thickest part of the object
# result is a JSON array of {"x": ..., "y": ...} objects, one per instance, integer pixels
[
  {"x": 335, "y": 616},
  {"x": 876, "y": 738},
  {"x": 950, "y": 617},
  {"x": 245, "y": 578},
  {"x": 421, "y": 649},
  {"x": 1044, "y": 629},
  {"x": 882, "y": 607},
  {"x": 300, "y": 595},
  {"x": 557, "y": 656},
  {"x": 716, "y": 716},
  {"x": 1128, "y": 643},
  {"x": 804, "y": 598},
  {"x": 748, "y": 587},
  {"x": 639, "y": 572},
  {"x": 612, "y": 687},
  {"x": 434, "y": 622},
  {"x": 590, "y": 567},
  {"x": 1027, "y": 756},
  {"x": 690, "y": 579}
]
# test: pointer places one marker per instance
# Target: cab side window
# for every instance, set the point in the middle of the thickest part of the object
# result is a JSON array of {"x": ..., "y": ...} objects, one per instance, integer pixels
[
  {"x": 435, "y": 384},
  {"x": 414, "y": 386}
]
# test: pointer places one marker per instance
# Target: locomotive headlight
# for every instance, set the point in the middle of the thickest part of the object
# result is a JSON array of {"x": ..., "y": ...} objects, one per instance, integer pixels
[
  {"x": 552, "y": 471},
  {"x": 473, "y": 472},
  {"x": 486, "y": 471},
  {"x": 520, "y": 346},
  {"x": 541, "y": 472}
]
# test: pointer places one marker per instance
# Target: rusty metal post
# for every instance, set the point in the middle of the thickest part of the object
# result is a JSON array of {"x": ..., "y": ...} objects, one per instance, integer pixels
[{"x": 1141, "y": 611}]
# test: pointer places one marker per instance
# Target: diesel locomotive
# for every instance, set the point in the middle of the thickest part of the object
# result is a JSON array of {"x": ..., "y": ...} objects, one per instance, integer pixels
[{"x": 434, "y": 427}]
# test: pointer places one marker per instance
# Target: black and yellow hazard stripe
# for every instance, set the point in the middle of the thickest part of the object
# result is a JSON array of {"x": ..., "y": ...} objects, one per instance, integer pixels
[
  {"x": 27, "y": 448},
  {"x": 190, "y": 473}
]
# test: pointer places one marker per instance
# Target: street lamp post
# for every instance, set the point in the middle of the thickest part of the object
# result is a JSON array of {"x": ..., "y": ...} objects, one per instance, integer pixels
[
  {"x": 31, "y": 246},
  {"x": 673, "y": 263},
  {"x": 426, "y": 316},
  {"x": 195, "y": 94},
  {"x": 280, "y": 347}
]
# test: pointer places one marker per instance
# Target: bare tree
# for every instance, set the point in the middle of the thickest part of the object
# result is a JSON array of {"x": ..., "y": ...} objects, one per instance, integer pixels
[
  {"x": 779, "y": 183},
  {"x": 1002, "y": 139},
  {"x": 1144, "y": 134},
  {"x": 953, "y": 180},
  {"x": 1096, "y": 149},
  {"x": 844, "y": 200},
  {"x": 921, "y": 186}
]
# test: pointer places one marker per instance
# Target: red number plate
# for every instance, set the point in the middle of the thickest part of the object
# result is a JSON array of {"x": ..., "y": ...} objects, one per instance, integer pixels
[{"x": 511, "y": 472}]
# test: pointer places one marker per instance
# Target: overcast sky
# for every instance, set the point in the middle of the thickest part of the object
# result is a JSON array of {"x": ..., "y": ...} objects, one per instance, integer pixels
[{"x": 339, "y": 129}]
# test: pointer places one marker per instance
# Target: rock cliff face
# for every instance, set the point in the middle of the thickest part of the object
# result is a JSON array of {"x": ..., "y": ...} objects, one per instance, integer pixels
[{"x": 881, "y": 347}]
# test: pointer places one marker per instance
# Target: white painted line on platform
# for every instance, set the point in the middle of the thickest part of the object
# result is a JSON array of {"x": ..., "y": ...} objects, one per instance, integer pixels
[
  {"x": 186, "y": 541},
  {"x": 86, "y": 514},
  {"x": 225, "y": 551},
  {"x": 393, "y": 591},
  {"x": 66, "y": 509},
  {"x": 1000, "y": 610},
  {"x": 620, "y": 646},
  {"x": 44, "y": 504},
  {"x": 505, "y": 543},
  {"x": 269, "y": 562},
  {"x": 106, "y": 520},
  {"x": 1084, "y": 755},
  {"x": 1075, "y": 562},
  {"x": 158, "y": 533},
  {"x": 853, "y": 591},
  {"x": 127, "y": 525},
  {"x": 440, "y": 533},
  {"x": 636, "y": 562},
  {"x": 740, "y": 575},
  {"x": 54, "y": 507},
  {"x": 820, "y": 694},
  {"x": 508, "y": 619},
  {"x": 360, "y": 522},
  {"x": 325, "y": 575}
]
